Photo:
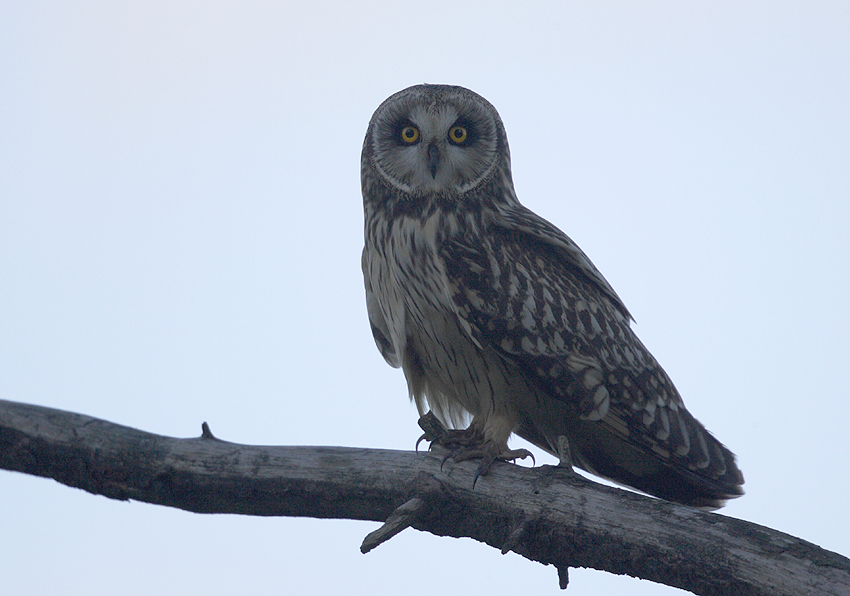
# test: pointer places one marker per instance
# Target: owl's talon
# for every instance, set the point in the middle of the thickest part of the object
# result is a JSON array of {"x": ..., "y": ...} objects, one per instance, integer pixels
[
  {"x": 483, "y": 468},
  {"x": 432, "y": 428},
  {"x": 471, "y": 444}
]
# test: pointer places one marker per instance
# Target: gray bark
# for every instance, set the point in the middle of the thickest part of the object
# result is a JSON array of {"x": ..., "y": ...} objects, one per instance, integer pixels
[{"x": 547, "y": 514}]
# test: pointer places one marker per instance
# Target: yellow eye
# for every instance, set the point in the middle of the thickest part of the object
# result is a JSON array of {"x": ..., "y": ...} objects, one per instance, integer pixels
[
  {"x": 409, "y": 134},
  {"x": 457, "y": 134}
]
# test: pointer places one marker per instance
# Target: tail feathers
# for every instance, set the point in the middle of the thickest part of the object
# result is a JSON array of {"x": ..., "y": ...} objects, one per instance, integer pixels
[
  {"x": 603, "y": 453},
  {"x": 673, "y": 480}
]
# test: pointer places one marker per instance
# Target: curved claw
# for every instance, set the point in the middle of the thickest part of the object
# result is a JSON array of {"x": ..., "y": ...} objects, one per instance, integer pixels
[
  {"x": 483, "y": 468},
  {"x": 466, "y": 444}
]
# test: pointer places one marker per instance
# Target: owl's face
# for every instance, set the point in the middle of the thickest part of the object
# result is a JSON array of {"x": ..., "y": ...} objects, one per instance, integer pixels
[{"x": 436, "y": 139}]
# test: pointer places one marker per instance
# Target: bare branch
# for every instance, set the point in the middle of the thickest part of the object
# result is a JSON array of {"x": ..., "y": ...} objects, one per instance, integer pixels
[
  {"x": 546, "y": 514},
  {"x": 401, "y": 518}
]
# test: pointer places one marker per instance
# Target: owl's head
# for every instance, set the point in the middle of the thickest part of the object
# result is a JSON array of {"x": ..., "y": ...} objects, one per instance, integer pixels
[{"x": 436, "y": 139}]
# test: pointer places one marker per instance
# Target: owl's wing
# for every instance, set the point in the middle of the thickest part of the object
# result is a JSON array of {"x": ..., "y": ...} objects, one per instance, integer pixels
[
  {"x": 537, "y": 229},
  {"x": 380, "y": 329},
  {"x": 529, "y": 293}
]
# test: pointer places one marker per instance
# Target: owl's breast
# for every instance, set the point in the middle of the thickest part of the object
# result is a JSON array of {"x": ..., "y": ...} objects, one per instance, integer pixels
[
  {"x": 408, "y": 280},
  {"x": 442, "y": 362}
]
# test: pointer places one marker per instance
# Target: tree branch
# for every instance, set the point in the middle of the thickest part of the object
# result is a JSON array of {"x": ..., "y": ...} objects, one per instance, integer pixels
[{"x": 546, "y": 514}]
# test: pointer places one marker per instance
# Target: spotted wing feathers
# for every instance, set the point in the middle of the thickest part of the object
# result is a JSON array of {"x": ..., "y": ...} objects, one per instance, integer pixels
[{"x": 528, "y": 292}]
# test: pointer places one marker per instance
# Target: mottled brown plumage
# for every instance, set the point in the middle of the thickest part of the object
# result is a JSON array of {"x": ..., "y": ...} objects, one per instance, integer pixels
[{"x": 494, "y": 313}]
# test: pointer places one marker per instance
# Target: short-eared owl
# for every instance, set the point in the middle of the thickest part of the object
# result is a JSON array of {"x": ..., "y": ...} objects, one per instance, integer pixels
[{"x": 492, "y": 312}]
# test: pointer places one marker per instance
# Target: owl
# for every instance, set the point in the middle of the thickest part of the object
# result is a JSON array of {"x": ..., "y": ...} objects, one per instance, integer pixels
[{"x": 499, "y": 320}]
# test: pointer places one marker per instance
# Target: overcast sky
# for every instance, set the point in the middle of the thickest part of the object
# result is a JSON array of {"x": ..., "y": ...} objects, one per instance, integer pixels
[{"x": 181, "y": 226}]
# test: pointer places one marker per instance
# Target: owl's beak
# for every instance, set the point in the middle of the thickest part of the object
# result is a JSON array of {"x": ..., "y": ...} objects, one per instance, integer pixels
[{"x": 433, "y": 159}]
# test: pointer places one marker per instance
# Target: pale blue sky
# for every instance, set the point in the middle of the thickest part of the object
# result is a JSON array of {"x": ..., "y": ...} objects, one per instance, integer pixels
[{"x": 180, "y": 235}]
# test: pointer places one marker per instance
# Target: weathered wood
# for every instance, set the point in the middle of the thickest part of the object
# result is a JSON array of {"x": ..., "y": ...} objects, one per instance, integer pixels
[
  {"x": 400, "y": 519},
  {"x": 546, "y": 514}
]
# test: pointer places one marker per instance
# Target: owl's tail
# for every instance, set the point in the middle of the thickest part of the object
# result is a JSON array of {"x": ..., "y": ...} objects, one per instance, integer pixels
[
  {"x": 659, "y": 474},
  {"x": 598, "y": 450}
]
